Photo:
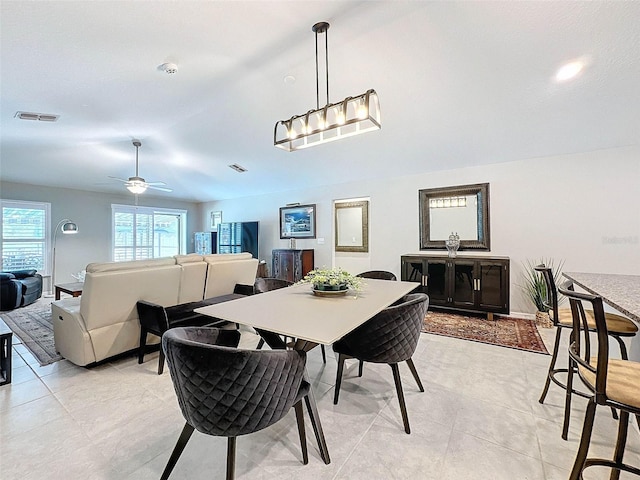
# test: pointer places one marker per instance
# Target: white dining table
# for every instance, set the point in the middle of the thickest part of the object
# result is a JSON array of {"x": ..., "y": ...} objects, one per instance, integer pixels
[
  {"x": 311, "y": 319},
  {"x": 296, "y": 312},
  {"x": 621, "y": 292}
]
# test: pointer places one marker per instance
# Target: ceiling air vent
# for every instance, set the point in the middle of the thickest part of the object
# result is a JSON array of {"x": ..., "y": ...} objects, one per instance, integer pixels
[
  {"x": 238, "y": 168},
  {"x": 43, "y": 117}
]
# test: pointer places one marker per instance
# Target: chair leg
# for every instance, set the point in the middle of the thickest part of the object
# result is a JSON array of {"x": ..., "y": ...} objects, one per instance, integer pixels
[
  {"x": 403, "y": 407},
  {"x": 341, "y": 359},
  {"x": 324, "y": 355},
  {"x": 143, "y": 344},
  {"x": 231, "y": 458},
  {"x": 310, "y": 400},
  {"x": 412, "y": 367},
  {"x": 623, "y": 427},
  {"x": 360, "y": 367},
  {"x": 567, "y": 401},
  {"x": 161, "y": 361},
  {"x": 187, "y": 431},
  {"x": 301, "y": 431},
  {"x": 583, "y": 449},
  {"x": 552, "y": 364}
]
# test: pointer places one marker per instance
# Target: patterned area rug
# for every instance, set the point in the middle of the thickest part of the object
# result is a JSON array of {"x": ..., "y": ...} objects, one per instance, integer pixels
[
  {"x": 32, "y": 325},
  {"x": 505, "y": 332}
]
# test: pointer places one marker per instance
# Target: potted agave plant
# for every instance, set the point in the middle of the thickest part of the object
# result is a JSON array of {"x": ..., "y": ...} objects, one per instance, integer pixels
[
  {"x": 331, "y": 280},
  {"x": 536, "y": 289}
]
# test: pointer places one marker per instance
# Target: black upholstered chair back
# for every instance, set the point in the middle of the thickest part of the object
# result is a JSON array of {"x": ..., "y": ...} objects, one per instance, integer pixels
[
  {"x": 391, "y": 336},
  {"x": 225, "y": 391},
  {"x": 263, "y": 285},
  {"x": 378, "y": 274}
]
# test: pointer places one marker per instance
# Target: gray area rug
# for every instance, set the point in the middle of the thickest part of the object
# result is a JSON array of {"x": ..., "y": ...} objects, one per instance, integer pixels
[{"x": 32, "y": 324}]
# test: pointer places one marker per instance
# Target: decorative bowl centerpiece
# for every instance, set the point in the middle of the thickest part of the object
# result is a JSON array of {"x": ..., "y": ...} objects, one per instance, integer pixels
[{"x": 329, "y": 282}]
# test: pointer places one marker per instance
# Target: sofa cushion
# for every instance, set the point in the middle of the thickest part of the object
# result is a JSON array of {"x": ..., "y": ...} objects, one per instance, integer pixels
[
  {"x": 192, "y": 280},
  {"x": 110, "y": 297},
  {"x": 226, "y": 257},
  {"x": 222, "y": 277},
  {"x": 133, "y": 264},
  {"x": 6, "y": 276},
  {"x": 189, "y": 258},
  {"x": 31, "y": 289}
]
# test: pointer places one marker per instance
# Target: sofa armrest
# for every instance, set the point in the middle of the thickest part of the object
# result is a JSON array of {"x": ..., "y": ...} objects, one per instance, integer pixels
[
  {"x": 22, "y": 274},
  {"x": 153, "y": 317}
]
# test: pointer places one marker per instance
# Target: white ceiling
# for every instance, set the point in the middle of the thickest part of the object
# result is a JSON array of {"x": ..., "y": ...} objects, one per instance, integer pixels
[{"x": 460, "y": 84}]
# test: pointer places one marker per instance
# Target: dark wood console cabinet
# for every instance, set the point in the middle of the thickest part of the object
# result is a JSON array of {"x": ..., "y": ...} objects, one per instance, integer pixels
[
  {"x": 291, "y": 265},
  {"x": 464, "y": 283}
]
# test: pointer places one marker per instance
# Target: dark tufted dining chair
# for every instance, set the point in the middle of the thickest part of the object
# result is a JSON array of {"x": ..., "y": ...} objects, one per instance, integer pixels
[
  {"x": 225, "y": 391},
  {"x": 389, "y": 337},
  {"x": 267, "y": 284},
  {"x": 378, "y": 274}
]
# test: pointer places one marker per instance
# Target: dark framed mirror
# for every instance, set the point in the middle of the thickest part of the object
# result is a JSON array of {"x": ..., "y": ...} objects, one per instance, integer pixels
[{"x": 461, "y": 210}]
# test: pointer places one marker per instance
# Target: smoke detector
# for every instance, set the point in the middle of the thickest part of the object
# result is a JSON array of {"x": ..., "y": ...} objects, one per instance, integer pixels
[{"x": 169, "y": 68}]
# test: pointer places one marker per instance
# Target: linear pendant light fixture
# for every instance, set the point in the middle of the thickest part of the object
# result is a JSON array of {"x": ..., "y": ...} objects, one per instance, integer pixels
[{"x": 349, "y": 117}]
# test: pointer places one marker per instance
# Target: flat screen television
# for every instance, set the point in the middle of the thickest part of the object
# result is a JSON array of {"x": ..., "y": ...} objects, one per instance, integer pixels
[{"x": 238, "y": 237}]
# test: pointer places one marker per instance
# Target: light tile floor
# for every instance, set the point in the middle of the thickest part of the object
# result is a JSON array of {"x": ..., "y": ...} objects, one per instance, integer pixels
[{"x": 479, "y": 418}]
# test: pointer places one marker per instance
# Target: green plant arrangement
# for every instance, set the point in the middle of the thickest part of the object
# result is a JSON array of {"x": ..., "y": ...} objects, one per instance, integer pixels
[
  {"x": 535, "y": 287},
  {"x": 332, "y": 279}
]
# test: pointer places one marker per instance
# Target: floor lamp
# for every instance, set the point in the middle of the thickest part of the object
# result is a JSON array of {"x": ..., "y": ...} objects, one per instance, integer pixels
[{"x": 67, "y": 227}]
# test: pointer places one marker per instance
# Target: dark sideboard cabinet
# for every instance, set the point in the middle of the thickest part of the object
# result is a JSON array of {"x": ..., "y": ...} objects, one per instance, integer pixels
[
  {"x": 464, "y": 283},
  {"x": 291, "y": 265}
]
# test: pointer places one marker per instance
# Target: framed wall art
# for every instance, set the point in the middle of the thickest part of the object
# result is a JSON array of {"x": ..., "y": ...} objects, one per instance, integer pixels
[
  {"x": 298, "y": 221},
  {"x": 216, "y": 219}
]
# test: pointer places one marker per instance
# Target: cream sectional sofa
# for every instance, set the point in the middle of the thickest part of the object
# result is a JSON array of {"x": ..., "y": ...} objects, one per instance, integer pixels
[{"x": 103, "y": 321}]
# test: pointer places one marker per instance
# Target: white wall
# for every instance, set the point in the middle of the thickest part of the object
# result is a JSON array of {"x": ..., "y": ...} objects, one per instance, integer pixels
[
  {"x": 580, "y": 208},
  {"x": 92, "y": 212}
]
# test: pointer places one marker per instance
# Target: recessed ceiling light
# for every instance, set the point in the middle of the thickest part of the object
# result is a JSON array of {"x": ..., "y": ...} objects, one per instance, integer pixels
[{"x": 569, "y": 70}]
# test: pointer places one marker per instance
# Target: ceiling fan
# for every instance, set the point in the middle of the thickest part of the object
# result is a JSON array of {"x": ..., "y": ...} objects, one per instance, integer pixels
[{"x": 138, "y": 184}]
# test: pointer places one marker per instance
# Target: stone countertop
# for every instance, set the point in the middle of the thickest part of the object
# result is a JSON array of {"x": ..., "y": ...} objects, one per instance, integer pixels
[{"x": 621, "y": 292}]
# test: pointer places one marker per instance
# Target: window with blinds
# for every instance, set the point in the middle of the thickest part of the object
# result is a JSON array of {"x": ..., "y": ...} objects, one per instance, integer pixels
[
  {"x": 25, "y": 235},
  {"x": 147, "y": 232}
]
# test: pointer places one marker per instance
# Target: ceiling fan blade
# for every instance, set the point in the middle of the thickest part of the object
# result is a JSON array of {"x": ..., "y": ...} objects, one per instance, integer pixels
[
  {"x": 162, "y": 189},
  {"x": 159, "y": 184},
  {"x": 119, "y": 179}
]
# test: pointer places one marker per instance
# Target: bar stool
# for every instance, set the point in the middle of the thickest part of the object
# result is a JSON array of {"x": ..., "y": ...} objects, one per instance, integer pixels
[
  {"x": 617, "y": 327},
  {"x": 611, "y": 382}
]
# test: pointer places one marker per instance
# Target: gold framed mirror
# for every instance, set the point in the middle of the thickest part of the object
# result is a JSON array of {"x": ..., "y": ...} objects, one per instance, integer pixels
[{"x": 352, "y": 226}]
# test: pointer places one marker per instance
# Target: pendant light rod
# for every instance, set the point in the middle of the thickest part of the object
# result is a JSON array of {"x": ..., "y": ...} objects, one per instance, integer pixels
[
  {"x": 322, "y": 27},
  {"x": 137, "y": 144}
]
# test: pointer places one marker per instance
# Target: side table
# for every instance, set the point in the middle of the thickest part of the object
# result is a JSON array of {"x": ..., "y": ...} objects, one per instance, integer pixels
[
  {"x": 74, "y": 289},
  {"x": 6, "y": 340}
]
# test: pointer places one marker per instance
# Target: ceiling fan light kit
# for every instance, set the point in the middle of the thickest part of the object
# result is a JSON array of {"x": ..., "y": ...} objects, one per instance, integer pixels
[
  {"x": 137, "y": 184},
  {"x": 349, "y": 117}
]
